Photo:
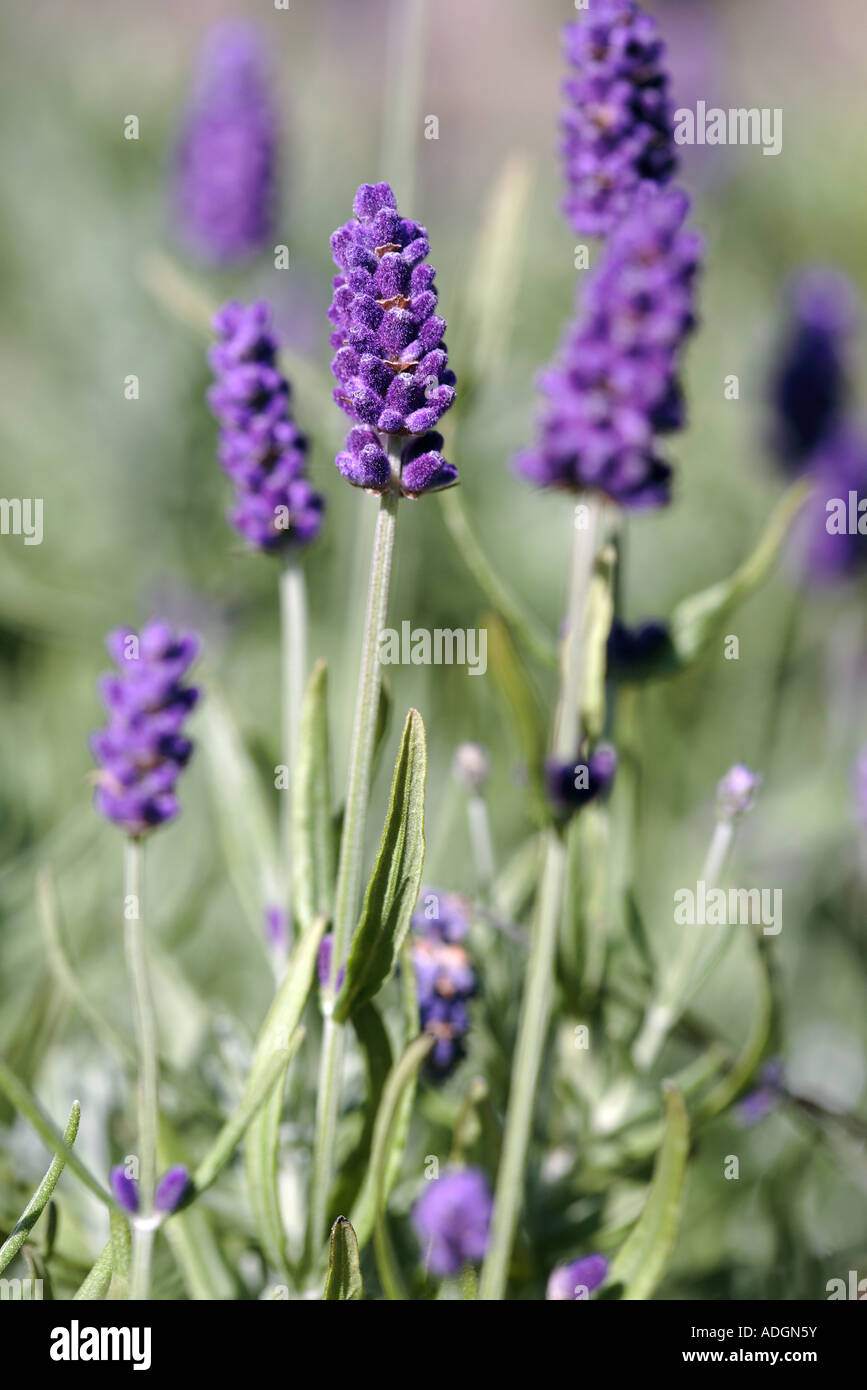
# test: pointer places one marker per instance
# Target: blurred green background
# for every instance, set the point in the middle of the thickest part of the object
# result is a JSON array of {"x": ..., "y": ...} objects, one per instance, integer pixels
[{"x": 134, "y": 523}]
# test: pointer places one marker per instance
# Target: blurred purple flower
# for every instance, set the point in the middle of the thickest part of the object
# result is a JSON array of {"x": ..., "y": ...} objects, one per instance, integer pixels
[
  {"x": 276, "y": 925},
  {"x": 391, "y": 364},
  {"x": 142, "y": 751},
  {"x": 444, "y": 976},
  {"x": 323, "y": 963},
  {"x": 614, "y": 385},
  {"x": 452, "y": 1220},
  {"x": 636, "y": 652},
  {"x": 574, "y": 784},
  {"x": 261, "y": 448},
  {"x": 471, "y": 766},
  {"x": 737, "y": 791},
  {"x": 170, "y": 1189},
  {"x": 226, "y": 158},
  {"x": 831, "y": 548},
  {"x": 764, "y": 1098},
  {"x": 617, "y": 126},
  {"x": 125, "y": 1189},
  {"x": 809, "y": 385},
  {"x": 576, "y": 1281}
]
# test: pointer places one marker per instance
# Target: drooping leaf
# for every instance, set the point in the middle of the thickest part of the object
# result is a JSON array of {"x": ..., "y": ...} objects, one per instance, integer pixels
[
  {"x": 344, "y": 1270},
  {"x": 641, "y": 1261},
  {"x": 393, "y": 889},
  {"x": 699, "y": 618},
  {"x": 313, "y": 840},
  {"x": 39, "y": 1201}
]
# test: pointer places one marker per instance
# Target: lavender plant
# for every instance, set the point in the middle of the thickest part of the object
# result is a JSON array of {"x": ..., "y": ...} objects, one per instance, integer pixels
[{"x": 494, "y": 1088}]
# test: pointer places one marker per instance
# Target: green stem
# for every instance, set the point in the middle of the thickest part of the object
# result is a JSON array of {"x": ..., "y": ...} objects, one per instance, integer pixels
[
  {"x": 522, "y": 622},
  {"x": 666, "y": 1009},
  {"x": 349, "y": 873},
  {"x": 293, "y": 652},
  {"x": 146, "y": 1040},
  {"x": 536, "y": 1002}
]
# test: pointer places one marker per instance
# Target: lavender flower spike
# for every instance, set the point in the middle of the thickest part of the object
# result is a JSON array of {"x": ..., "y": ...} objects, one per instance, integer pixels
[
  {"x": 226, "y": 160},
  {"x": 142, "y": 750},
  {"x": 614, "y": 387},
  {"x": 617, "y": 126},
  {"x": 444, "y": 976},
  {"x": 452, "y": 1220},
  {"x": 575, "y": 1282},
  {"x": 574, "y": 784},
  {"x": 391, "y": 363},
  {"x": 261, "y": 448}
]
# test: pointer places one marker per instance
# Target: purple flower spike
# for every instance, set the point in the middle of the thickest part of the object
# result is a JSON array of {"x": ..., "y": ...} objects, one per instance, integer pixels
[
  {"x": 142, "y": 750},
  {"x": 737, "y": 792},
  {"x": 445, "y": 980},
  {"x": 637, "y": 652},
  {"x": 261, "y": 448},
  {"x": 614, "y": 387},
  {"x": 809, "y": 388},
  {"x": 617, "y": 127},
  {"x": 390, "y": 364},
  {"x": 170, "y": 1189},
  {"x": 572, "y": 785},
  {"x": 575, "y": 1282},
  {"x": 452, "y": 1220},
  {"x": 226, "y": 159},
  {"x": 125, "y": 1189},
  {"x": 832, "y": 547},
  {"x": 323, "y": 963}
]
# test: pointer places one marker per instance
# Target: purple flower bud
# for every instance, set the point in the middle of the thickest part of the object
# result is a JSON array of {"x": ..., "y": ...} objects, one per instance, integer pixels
[
  {"x": 444, "y": 976},
  {"x": 737, "y": 791},
  {"x": 617, "y": 129},
  {"x": 575, "y": 1282},
  {"x": 809, "y": 387},
  {"x": 452, "y": 1220},
  {"x": 572, "y": 785},
  {"x": 471, "y": 766},
  {"x": 226, "y": 159},
  {"x": 125, "y": 1189},
  {"x": 170, "y": 1189},
  {"x": 390, "y": 362},
  {"x": 323, "y": 963},
  {"x": 638, "y": 652},
  {"x": 614, "y": 387},
  {"x": 764, "y": 1098},
  {"x": 830, "y": 547},
  {"x": 276, "y": 923},
  {"x": 142, "y": 750},
  {"x": 261, "y": 448}
]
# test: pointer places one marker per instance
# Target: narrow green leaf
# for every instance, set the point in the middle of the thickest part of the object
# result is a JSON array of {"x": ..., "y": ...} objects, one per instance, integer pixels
[
  {"x": 258, "y": 1088},
  {"x": 20, "y": 1096},
  {"x": 39, "y": 1201},
  {"x": 600, "y": 615},
  {"x": 376, "y": 1051},
  {"x": 344, "y": 1270},
  {"x": 754, "y": 1049},
  {"x": 389, "y": 1135},
  {"x": 641, "y": 1261},
  {"x": 95, "y": 1284},
  {"x": 521, "y": 698},
  {"x": 285, "y": 1012},
  {"x": 392, "y": 891},
  {"x": 261, "y": 1153},
  {"x": 389, "y": 1138},
  {"x": 120, "y": 1243},
  {"x": 493, "y": 284},
  {"x": 313, "y": 841},
  {"x": 699, "y": 618},
  {"x": 245, "y": 826}
]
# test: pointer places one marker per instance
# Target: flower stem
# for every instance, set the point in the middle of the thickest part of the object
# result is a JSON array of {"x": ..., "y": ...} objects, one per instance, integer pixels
[
  {"x": 665, "y": 1010},
  {"x": 293, "y": 651},
  {"x": 146, "y": 1039},
  {"x": 349, "y": 871},
  {"x": 536, "y": 1002}
]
